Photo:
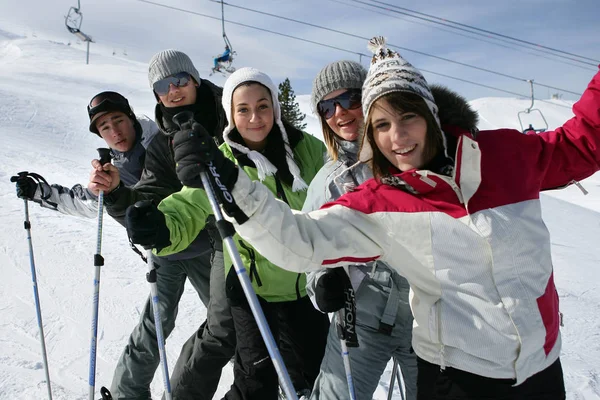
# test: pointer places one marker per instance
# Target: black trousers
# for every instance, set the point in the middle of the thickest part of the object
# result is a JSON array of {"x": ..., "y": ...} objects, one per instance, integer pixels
[
  {"x": 451, "y": 383},
  {"x": 300, "y": 332}
]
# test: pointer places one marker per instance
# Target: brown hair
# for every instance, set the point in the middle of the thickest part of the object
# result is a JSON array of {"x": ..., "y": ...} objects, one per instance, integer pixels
[
  {"x": 274, "y": 150},
  {"x": 402, "y": 102}
]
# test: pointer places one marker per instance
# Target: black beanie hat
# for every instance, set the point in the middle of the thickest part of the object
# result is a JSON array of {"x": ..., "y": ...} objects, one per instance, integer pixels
[{"x": 106, "y": 102}]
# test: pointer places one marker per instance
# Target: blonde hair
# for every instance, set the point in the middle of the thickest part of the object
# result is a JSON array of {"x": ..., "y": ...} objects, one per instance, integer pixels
[{"x": 329, "y": 139}]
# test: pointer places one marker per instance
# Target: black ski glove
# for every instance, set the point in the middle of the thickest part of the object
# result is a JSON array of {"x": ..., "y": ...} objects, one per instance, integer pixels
[
  {"x": 196, "y": 151},
  {"x": 146, "y": 225},
  {"x": 26, "y": 187},
  {"x": 330, "y": 290}
]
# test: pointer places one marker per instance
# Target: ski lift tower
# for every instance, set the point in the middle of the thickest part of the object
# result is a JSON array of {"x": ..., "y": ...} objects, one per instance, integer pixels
[{"x": 73, "y": 22}]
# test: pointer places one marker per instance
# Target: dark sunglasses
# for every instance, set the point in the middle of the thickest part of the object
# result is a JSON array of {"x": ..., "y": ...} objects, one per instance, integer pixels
[
  {"x": 179, "y": 79},
  {"x": 106, "y": 101},
  {"x": 349, "y": 100}
]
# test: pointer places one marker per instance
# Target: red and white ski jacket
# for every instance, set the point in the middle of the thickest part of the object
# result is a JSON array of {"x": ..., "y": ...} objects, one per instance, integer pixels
[{"x": 473, "y": 246}]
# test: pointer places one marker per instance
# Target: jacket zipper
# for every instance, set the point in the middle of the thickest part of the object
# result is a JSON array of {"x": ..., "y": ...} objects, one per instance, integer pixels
[
  {"x": 439, "y": 326},
  {"x": 448, "y": 179},
  {"x": 298, "y": 297},
  {"x": 253, "y": 269},
  {"x": 279, "y": 188}
]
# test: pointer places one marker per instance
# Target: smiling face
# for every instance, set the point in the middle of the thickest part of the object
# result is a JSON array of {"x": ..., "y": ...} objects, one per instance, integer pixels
[
  {"x": 180, "y": 95},
  {"x": 253, "y": 116},
  {"x": 117, "y": 130},
  {"x": 346, "y": 124},
  {"x": 400, "y": 136}
]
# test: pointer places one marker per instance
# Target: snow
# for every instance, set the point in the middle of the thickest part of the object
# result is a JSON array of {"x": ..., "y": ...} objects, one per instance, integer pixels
[{"x": 44, "y": 88}]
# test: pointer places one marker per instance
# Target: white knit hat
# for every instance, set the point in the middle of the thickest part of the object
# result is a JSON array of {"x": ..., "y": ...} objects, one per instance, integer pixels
[
  {"x": 389, "y": 73},
  {"x": 263, "y": 165}
]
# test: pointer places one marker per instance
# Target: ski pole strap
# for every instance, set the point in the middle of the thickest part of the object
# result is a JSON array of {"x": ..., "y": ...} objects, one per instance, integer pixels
[
  {"x": 346, "y": 329},
  {"x": 137, "y": 251},
  {"x": 224, "y": 196},
  {"x": 388, "y": 319},
  {"x": 36, "y": 177}
]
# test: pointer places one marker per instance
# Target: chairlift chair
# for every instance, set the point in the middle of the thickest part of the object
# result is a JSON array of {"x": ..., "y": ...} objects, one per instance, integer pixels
[
  {"x": 529, "y": 111},
  {"x": 225, "y": 67},
  {"x": 73, "y": 20}
]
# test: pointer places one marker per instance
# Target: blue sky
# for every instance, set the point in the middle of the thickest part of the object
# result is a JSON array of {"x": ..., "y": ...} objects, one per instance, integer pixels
[{"x": 141, "y": 29}]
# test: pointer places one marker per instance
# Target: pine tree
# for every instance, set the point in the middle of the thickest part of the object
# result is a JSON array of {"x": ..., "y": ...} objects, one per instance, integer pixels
[{"x": 290, "y": 110}]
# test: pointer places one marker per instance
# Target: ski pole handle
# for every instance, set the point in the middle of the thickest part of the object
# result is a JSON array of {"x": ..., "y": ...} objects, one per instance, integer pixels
[
  {"x": 20, "y": 175},
  {"x": 104, "y": 155},
  {"x": 184, "y": 119}
]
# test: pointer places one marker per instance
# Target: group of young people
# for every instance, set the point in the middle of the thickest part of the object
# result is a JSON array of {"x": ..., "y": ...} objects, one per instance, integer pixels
[{"x": 431, "y": 222}]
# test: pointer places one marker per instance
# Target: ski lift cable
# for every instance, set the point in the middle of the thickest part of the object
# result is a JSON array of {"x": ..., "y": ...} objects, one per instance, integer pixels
[
  {"x": 330, "y": 47},
  {"x": 448, "y": 24},
  {"x": 483, "y": 31},
  {"x": 225, "y": 38},
  {"x": 253, "y": 27},
  {"x": 489, "y": 87},
  {"x": 393, "y": 45},
  {"x": 478, "y": 37}
]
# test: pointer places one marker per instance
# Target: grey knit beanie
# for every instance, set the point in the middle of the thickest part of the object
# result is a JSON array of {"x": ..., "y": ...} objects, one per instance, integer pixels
[
  {"x": 170, "y": 62},
  {"x": 335, "y": 76}
]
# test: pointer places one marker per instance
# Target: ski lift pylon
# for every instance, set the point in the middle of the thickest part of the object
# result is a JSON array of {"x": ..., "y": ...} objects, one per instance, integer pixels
[
  {"x": 528, "y": 111},
  {"x": 73, "y": 21}
]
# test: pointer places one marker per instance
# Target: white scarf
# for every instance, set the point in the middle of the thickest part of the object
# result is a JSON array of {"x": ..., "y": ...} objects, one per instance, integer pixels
[{"x": 263, "y": 165}]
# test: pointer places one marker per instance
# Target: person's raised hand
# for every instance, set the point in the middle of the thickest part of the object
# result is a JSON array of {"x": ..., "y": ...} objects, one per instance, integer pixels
[{"x": 103, "y": 177}]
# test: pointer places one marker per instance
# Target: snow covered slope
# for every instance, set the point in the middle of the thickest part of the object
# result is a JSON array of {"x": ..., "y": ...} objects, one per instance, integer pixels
[{"x": 44, "y": 89}]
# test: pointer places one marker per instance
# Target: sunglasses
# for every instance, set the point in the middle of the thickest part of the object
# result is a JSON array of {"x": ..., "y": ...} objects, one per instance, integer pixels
[
  {"x": 179, "y": 79},
  {"x": 107, "y": 101},
  {"x": 349, "y": 100}
]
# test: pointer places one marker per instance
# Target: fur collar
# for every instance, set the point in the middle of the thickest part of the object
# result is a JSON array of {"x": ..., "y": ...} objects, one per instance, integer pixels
[{"x": 454, "y": 109}]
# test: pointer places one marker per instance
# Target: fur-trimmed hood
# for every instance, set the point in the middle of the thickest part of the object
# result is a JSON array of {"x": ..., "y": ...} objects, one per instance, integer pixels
[{"x": 454, "y": 109}]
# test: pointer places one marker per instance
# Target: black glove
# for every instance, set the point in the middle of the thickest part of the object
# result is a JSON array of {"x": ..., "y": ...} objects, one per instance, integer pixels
[
  {"x": 330, "y": 290},
  {"x": 196, "y": 151},
  {"x": 26, "y": 187},
  {"x": 146, "y": 225}
]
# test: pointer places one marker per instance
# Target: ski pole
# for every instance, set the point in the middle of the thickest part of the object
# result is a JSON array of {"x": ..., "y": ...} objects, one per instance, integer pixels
[
  {"x": 105, "y": 157},
  {"x": 345, "y": 354},
  {"x": 36, "y": 296},
  {"x": 400, "y": 380},
  {"x": 392, "y": 379},
  {"x": 184, "y": 120},
  {"x": 151, "y": 278}
]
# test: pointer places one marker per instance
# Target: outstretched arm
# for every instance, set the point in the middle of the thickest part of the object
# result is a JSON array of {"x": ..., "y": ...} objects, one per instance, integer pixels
[
  {"x": 303, "y": 242},
  {"x": 185, "y": 216},
  {"x": 572, "y": 151},
  {"x": 77, "y": 201},
  {"x": 294, "y": 241}
]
